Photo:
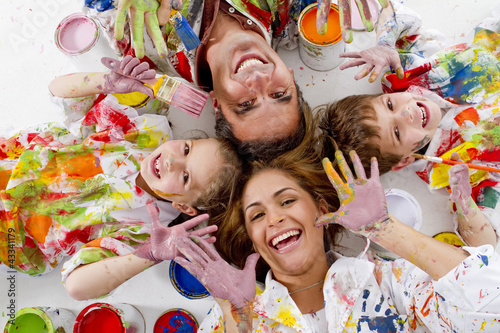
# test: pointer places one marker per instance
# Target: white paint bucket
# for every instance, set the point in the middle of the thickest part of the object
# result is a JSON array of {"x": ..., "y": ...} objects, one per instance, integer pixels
[
  {"x": 41, "y": 319},
  {"x": 80, "y": 37},
  {"x": 320, "y": 52}
]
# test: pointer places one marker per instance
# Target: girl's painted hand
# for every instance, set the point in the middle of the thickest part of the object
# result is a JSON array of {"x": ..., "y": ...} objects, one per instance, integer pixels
[
  {"x": 128, "y": 75},
  {"x": 220, "y": 278},
  {"x": 461, "y": 189},
  {"x": 363, "y": 204},
  {"x": 142, "y": 12},
  {"x": 345, "y": 16},
  {"x": 164, "y": 240},
  {"x": 375, "y": 60}
]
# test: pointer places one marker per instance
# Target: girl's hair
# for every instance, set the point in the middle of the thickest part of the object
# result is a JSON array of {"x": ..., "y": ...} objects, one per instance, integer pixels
[
  {"x": 304, "y": 166},
  {"x": 347, "y": 123}
]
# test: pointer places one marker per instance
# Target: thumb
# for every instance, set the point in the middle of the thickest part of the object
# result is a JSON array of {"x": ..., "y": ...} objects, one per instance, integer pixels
[
  {"x": 251, "y": 262},
  {"x": 109, "y": 62}
]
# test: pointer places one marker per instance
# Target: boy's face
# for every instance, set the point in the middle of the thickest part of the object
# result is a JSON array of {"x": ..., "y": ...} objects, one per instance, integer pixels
[
  {"x": 407, "y": 123},
  {"x": 180, "y": 170}
]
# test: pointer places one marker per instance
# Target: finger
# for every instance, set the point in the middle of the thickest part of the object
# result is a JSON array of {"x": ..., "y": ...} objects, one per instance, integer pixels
[
  {"x": 210, "y": 240},
  {"x": 110, "y": 63},
  {"x": 191, "y": 251},
  {"x": 358, "y": 166},
  {"x": 190, "y": 224},
  {"x": 375, "y": 73},
  {"x": 366, "y": 16},
  {"x": 455, "y": 156},
  {"x": 121, "y": 17},
  {"x": 204, "y": 231},
  {"x": 333, "y": 176},
  {"x": 322, "y": 12},
  {"x": 191, "y": 267},
  {"x": 350, "y": 55},
  {"x": 345, "y": 20},
  {"x": 202, "y": 249},
  {"x": 147, "y": 75},
  {"x": 383, "y": 3},
  {"x": 153, "y": 213},
  {"x": 344, "y": 167},
  {"x": 352, "y": 63},
  {"x": 251, "y": 262},
  {"x": 128, "y": 67},
  {"x": 163, "y": 12},
  {"x": 137, "y": 16},
  {"x": 140, "y": 87},
  {"x": 328, "y": 218},
  {"x": 366, "y": 70},
  {"x": 139, "y": 69},
  {"x": 206, "y": 247},
  {"x": 154, "y": 32},
  {"x": 374, "y": 173}
]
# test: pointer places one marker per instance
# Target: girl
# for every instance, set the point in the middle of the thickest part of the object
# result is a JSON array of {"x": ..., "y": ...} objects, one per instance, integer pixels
[
  {"x": 437, "y": 287},
  {"x": 88, "y": 183}
]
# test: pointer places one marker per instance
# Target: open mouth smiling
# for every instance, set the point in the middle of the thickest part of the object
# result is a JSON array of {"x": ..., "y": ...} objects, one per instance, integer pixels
[
  {"x": 249, "y": 62},
  {"x": 424, "y": 114},
  {"x": 285, "y": 240},
  {"x": 156, "y": 166}
]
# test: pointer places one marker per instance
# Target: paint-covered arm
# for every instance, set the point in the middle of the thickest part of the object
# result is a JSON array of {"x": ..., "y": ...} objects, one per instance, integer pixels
[
  {"x": 364, "y": 211},
  {"x": 234, "y": 289},
  {"x": 127, "y": 75}
]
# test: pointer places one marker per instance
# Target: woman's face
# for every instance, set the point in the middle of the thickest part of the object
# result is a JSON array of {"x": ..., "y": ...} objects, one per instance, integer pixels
[{"x": 279, "y": 218}]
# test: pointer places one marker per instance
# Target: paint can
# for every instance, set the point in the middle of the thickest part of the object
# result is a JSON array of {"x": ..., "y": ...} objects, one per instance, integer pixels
[
  {"x": 403, "y": 206},
  {"x": 176, "y": 320},
  {"x": 80, "y": 38},
  {"x": 186, "y": 284},
  {"x": 320, "y": 52},
  {"x": 41, "y": 319},
  {"x": 107, "y": 318}
]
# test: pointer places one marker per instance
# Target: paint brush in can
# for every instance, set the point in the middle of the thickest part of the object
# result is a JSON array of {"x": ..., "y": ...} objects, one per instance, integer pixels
[
  {"x": 182, "y": 96},
  {"x": 184, "y": 31}
]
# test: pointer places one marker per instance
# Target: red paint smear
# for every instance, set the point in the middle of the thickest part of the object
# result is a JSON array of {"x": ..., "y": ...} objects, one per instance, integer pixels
[
  {"x": 448, "y": 139},
  {"x": 469, "y": 114},
  {"x": 491, "y": 156},
  {"x": 182, "y": 66},
  {"x": 100, "y": 320}
]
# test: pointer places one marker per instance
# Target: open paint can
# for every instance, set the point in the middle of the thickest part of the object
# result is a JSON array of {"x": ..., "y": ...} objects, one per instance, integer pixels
[
  {"x": 320, "y": 52},
  {"x": 176, "y": 320},
  {"x": 107, "y": 318},
  {"x": 80, "y": 37},
  {"x": 41, "y": 319},
  {"x": 186, "y": 284}
]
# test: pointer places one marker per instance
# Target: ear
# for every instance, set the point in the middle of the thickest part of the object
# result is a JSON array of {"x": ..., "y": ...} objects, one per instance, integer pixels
[
  {"x": 323, "y": 206},
  {"x": 214, "y": 99},
  {"x": 403, "y": 163},
  {"x": 186, "y": 209}
]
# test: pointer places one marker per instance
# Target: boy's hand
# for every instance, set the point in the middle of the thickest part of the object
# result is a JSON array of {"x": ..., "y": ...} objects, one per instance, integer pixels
[
  {"x": 164, "y": 240},
  {"x": 375, "y": 60},
  {"x": 127, "y": 76},
  {"x": 144, "y": 12},
  {"x": 220, "y": 278},
  {"x": 363, "y": 204},
  {"x": 461, "y": 189}
]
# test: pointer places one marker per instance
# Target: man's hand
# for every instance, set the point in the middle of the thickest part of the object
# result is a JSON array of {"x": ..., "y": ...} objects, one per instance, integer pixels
[{"x": 127, "y": 76}]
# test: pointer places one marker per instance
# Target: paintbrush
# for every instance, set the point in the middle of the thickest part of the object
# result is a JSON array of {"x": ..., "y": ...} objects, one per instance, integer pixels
[
  {"x": 184, "y": 31},
  {"x": 452, "y": 162},
  {"x": 182, "y": 96}
]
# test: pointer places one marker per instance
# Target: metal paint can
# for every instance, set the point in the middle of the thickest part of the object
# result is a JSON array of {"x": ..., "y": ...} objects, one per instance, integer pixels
[
  {"x": 107, "y": 318},
  {"x": 80, "y": 38},
  {"x": 176, "y": 320},
  {"x": 186, "y": 284},
  {"x": 41, "y": 319},
  {"x": 320, "y": 52}
]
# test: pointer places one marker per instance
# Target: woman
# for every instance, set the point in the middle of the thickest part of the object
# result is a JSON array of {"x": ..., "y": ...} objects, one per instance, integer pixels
[{"x": 437, "y": 288}]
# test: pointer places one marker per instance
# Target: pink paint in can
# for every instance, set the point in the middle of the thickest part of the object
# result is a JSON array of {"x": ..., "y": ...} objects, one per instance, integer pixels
[{"x": 80, "y": 37}]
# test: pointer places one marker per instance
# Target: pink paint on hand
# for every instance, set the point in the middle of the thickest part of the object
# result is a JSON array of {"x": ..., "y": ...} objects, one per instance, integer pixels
[
  {"x": 461, "y": 189},
  {"x": 78, "y": 34}
]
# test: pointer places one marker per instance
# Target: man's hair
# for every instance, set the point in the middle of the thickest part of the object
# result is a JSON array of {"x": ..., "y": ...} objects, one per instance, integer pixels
[
  {"x": 266, "y": 149},
  {"x": 303, "y": 165},
  {"x": 346, "y": 124}
]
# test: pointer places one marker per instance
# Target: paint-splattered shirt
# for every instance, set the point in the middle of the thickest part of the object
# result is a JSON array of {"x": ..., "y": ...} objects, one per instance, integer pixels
[
  {"x": 373, "y": 295},
  {"x": 63, "y": 186},
  {"x": 276, "y": 19},
  {"x": 464, "y": 80}
]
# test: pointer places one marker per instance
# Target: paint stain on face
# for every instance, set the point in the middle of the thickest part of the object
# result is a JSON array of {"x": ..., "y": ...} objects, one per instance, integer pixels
[
  {"x": 419, "y": 145},
  {"x": 166, "y": 194}
]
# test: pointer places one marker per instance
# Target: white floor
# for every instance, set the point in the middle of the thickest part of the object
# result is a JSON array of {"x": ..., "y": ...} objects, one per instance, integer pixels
[{"x": 30, "y": 60}]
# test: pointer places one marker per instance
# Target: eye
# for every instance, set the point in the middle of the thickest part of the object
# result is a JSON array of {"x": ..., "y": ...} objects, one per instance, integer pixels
[
  {"x": 186, "y": 149},
  {"x": 186, "y": 177},
  {"x": 256, "y": 216},
  {"x": 247, "y": 104},
  {"x": 389, "y": 104},
  {"x": 287, "y": 202},
  {"x": 278, "y": 94},
  {"x": 396, "y": 132}
]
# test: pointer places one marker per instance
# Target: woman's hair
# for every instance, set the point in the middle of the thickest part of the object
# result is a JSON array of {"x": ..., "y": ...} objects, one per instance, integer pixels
[
  {"x": 346, "y": 123},
  {"x": 304, "y": 166}
]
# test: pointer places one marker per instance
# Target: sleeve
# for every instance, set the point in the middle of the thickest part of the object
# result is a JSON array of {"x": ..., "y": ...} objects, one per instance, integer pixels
[
  {"x": 213, "y": 322},
  {"x": 401, "y": 23},
  {"x": 467, "y": 299}
]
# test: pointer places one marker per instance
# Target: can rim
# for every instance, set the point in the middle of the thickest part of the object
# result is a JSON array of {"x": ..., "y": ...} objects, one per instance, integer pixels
[
  {"x": 91, "y": 307},
  {"x": 179, "y": 287},
  {"x": 36, "y": 311},
  {"x": 64, "y": 22},
  {"x": 304, "y": 35}
]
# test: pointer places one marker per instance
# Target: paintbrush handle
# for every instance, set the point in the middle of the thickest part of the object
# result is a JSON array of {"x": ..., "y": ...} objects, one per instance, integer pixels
[{"x": 472, "y": 166}]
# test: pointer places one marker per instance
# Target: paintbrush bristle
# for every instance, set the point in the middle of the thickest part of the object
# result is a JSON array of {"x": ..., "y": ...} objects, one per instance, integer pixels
[
  {"x": 184, "y": 31},
  {"x": 182, "y": 96}
]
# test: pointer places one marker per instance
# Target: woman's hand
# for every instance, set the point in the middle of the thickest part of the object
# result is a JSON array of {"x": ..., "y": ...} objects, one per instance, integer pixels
[
  {"x": 375, "y": 60},
  {"x": 127, "y": 75},
  {"x": 164, "y": 240},
  {"x": 363, "y": 207}
]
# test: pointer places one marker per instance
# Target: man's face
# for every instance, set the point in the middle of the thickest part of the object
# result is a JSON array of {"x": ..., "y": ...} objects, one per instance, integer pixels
[{"x": 254, "y": 89}]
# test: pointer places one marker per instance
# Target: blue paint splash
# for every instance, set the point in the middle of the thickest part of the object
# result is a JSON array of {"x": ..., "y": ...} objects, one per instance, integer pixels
[{"x": 389, "y": 324}]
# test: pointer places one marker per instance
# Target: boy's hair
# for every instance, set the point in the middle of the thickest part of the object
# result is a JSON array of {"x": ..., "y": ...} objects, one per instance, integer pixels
[
  {"x": 304, "y": 166},
  {"x": 346, "y": 124},
  {"x": 266, "y": 149}
]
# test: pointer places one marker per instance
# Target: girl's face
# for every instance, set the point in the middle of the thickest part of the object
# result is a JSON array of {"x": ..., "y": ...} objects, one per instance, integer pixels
[
  {"x": 180, "y": 170},
  {"x": 279, "y": 218}
]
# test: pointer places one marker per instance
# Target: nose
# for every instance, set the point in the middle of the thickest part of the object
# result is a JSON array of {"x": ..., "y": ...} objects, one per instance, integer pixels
[
  {"x": 173, "y": 163},
  {"x": 407, "y": 114},
  {"x": 257, "y": 81},
  {"x": 276, "y": 219}
]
